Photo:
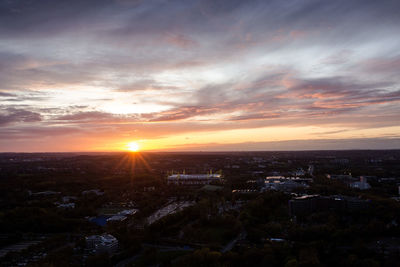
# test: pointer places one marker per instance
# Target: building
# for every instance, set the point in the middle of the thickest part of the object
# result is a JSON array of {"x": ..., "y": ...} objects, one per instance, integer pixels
[
  {"x": 128, "y": 212},
  {"x": 45, "y": 193},
  {"x": 67, "y": 199},
  {"x": 298, "y": 172},
  {"x": 345, "y": 178},
  {"x": 283, "y": 179},
  {"x": 93, "y": 191},
  {"x": 194, "y": 179},
  {"x": 308, "y": 204},
  {"x": 340, "y": 161},
  {"x": 65, "y": 205},
  {"x": 169, "y": 209},
  {"x": 245, "y": 191},
  {"x": 105, "y": 243},
  {"x": 352, "y": 181},
  {"x": 117, "y": 218},
  {"x": 281, "y": 183},
  {"x": 362, "y": 184}
]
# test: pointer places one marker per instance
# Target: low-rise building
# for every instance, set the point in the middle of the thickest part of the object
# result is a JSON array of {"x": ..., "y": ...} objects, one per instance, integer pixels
[
  {"x": 362, "y": 185},
  {"x": 116, "y": 218},
  {"x": 194, "y": 179},
  {"x": 345, "y": 178},
  {"x": 308, "y": 204},
  {"x": 93, "y": 191},
  {"x": 67, "y": 199},
  {"x": 128, "y": 212},
  {"x": 65, "y": 205},
  {"x": 102, "y": 243},
  {"x": 245, "y": 191},
  {"x": 281, "y": 183},
  {"x": 169, "y": 209},
  {"x": 46, "y": 193},
  {"x": 351, "y": 181}
]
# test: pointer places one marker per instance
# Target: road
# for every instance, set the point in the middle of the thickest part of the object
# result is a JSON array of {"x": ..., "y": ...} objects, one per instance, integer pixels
[{"x": 231, "y": 244}]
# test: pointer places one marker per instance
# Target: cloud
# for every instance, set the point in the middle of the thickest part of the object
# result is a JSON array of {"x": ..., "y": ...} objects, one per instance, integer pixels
[
  {"x": 290, "y": 145},
  {"x": 45, "y": 17},
  {"x": 14, "y": 115},
  {"x": 180, "y": 40},
  {"x": 85, "y": 116},
  {"x": 196, "y": 66},
  {"x": 311, "y": 97},
  {"x": 4, "y": 94},
  {"x": 182, "y": 113},
  {"x": 389, "y": 66},
  {"x": 144, "y": 85}
]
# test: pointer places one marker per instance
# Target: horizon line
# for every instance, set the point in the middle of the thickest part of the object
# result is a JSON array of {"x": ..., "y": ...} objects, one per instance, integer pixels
[{"x": 195, "y": 151}]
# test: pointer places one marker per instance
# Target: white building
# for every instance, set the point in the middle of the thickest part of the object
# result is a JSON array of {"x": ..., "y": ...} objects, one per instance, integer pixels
[
  {"x": 282, "y": 183},
  {"x": 194, "y": 179},
  {"x": 102, "y": 243}
]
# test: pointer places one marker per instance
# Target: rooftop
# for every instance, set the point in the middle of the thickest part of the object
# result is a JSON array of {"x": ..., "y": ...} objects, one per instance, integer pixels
[{"x": 194, "y": 176}]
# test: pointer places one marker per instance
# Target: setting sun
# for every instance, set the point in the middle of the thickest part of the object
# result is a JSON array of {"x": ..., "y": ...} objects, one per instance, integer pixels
[{"x": 133, "y": 146}]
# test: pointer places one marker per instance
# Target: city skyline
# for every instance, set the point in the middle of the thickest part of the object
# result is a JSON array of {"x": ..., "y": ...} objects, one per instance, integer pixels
[{"x": 199, "y": 75}]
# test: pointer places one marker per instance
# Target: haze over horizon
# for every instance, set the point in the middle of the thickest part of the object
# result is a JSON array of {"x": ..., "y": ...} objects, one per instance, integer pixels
[{"x": 199, "y": 75}]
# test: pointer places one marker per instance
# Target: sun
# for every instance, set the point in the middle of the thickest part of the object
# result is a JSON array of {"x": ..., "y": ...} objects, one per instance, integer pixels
[{"x": 133, "y": 146}]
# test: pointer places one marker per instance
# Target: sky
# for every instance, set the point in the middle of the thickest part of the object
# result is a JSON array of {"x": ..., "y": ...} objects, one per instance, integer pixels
[{"x": 215, "y": 75}]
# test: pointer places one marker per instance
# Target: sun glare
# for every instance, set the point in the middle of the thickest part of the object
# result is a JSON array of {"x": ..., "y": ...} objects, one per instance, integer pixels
[{"x": 133, "y": 146}]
